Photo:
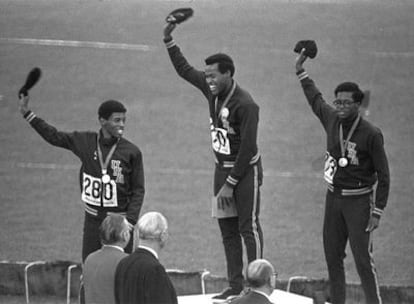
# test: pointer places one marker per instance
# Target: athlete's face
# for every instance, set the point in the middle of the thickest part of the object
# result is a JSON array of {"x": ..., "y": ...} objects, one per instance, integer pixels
[
  {"x": 345, "y": 105},
  {"x": 217, "y": 81},
  {"x": 114, "y": 125}
]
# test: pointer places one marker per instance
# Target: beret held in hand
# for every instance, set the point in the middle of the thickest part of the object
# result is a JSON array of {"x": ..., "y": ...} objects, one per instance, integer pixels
[
  {"x": 31, "y": 79},
  {"x": 310, "y": 48},
  {"x": 179, "y": 15}
]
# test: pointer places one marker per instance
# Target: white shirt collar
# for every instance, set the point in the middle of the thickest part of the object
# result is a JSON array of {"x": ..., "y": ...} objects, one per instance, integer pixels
[
  {"x": 149, "y": 249},
  {"x": 262, "y": 293},
  {"x": 116, "y": 247}
]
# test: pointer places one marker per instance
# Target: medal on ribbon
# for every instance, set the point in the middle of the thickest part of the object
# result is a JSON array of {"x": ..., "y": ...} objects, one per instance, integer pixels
[
  {"x": 104, "y": 163},
  {"x": 343, "y": 161},
  {"x": 105, "y": 176},
  {"x": 223, "y": 112}
]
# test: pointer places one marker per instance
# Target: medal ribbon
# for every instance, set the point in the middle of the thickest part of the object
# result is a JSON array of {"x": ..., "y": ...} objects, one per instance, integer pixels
[
  {"x": 226, "y": 101},
  {"x": 351, "y": 132},
  {"x": 104, "y": 164}
]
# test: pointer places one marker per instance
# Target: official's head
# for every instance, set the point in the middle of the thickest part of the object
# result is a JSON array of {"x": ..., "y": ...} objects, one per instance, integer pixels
[
  {"x": 348, "y": 98},
  {"x": 219, "y": 72},
  {"x": 153, "y": 230},
  {"x": 261, "y": 275},
  {"x": 115, "y": 230},
  {"x": 112, "y": 117}
]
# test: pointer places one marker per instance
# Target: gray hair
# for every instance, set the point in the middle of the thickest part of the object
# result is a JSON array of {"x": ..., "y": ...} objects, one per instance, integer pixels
[
  {"x": 259, "y": 273},
  {"x": 151, "y": 226}
]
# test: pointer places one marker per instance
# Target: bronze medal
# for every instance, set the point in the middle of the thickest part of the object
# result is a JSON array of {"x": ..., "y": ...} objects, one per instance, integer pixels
[{"x": 343, "y": 162}]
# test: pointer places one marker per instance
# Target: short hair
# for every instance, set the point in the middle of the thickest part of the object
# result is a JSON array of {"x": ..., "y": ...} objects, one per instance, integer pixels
[
  {"x": 113, "y": 228},
  {"x": 259, "y": 273},
  {"x": 151, "y": 225},
  {"x": 110, "y": 106},
  {"x": 352, "y": 87},
  {"x": 225, "y": 63}
]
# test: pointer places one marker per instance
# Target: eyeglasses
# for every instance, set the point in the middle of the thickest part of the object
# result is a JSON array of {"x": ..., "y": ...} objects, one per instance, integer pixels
[{"x": 345, "y": 103}]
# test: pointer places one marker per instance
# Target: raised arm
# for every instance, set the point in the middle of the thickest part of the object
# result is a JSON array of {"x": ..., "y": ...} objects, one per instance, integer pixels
[
  {"x": 180, "y": 63},
  {"x": 46, "y": 131},
  {"x": 314, "y": 97}
]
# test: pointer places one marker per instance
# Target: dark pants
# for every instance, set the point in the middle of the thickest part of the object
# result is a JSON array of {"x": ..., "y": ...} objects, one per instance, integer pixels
[
  {"x": 246, "y": 225},
  {"x": 91, "y": 239},
  {"x": 346, "y": 218}
]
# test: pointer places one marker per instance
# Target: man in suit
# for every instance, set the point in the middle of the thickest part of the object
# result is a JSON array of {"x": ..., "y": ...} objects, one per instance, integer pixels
[
  {"x": 99, "y": 267},
  {"x": 261, "y": 278},
  {"x": 140, "y": 277}
]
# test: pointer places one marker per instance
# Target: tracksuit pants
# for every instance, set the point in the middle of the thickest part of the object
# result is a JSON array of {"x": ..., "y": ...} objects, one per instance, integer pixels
[
  {"x": 346, "y": 218},
  {"x": 246, "y": 225}
]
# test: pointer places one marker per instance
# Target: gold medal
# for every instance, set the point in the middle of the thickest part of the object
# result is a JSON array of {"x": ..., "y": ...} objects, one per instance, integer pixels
[
  {"x": 343, "y": 162},
  {"x": 224, "y": 113}
]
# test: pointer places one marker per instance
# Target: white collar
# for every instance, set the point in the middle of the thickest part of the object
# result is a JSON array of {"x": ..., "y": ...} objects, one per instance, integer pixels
[
  {"x": 114, "y": 246},
  {"x": 263, "y": 294},
  {"x": 149, "y": 249}
]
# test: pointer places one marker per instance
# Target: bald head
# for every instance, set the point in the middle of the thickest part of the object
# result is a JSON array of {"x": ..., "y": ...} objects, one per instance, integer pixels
[{"x": 260, "y": 273}]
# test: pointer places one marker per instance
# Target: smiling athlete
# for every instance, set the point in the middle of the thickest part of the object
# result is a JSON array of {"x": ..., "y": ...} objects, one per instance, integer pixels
[
  {"x": 234, "y": 118},
  {"x": 355, "y": 164},
  {"x": 112, "y": 172}
]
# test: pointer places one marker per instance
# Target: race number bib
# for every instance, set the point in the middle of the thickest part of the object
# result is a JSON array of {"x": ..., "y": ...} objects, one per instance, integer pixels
[
  {"x": 330, "y": 168},
  {"x": 219, "y": 141},
  {"x": 93, "y": 189}
]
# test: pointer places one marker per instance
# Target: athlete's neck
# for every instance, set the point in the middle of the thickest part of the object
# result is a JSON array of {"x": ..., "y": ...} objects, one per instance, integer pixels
[
  {"x": 348, "y": 121},
  {"x": 106, "y": 138},
  {"x": 105, "y": 134},
  {"x": 223, "y": 94}
]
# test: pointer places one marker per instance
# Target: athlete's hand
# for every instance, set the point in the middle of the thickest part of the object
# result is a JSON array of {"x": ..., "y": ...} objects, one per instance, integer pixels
[
  {"x": 373, "y": 223},
  {"x": 23, "y": 104},
  {"x": 168, "y": 29},
  {"x": 224, "y": 197},
  {"x": 300, "y": 59}
]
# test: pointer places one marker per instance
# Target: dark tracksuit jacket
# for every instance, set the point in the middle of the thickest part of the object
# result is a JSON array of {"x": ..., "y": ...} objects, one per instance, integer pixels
[
  {"x": 242, "y": 120},
  {"x": 124, "y": 194},
  {"x": 238, "y": 163},
  {"x": 369, "y": 165},
  {"x": 350, "y": 201}
]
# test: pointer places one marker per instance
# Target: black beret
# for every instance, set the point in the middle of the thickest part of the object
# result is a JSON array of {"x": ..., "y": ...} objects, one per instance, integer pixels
[
  {"x": 179, "y": 15},
  {"x": 310, "y": 48}
]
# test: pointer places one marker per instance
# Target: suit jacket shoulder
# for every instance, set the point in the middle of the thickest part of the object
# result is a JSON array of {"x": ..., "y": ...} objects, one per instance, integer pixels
[
  {"x": 251, "y": 298},
  {"x": 140, "y": 278},
  {"x": 99, "y": 273}
]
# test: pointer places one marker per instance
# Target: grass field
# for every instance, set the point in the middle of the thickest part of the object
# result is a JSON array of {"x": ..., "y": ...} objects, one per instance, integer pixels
[{"x": 370, "y": 42}]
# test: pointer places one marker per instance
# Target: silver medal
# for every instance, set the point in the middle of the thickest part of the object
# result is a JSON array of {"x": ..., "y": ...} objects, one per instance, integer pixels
[{"x": 105, "y": 178}]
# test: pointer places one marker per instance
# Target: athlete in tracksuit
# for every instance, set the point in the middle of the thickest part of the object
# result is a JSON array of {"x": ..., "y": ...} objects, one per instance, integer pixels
[
  {"x": 123, "y": 192},
  {"x": 355, "y": 164},
  {"x": 234, "y": 120}
]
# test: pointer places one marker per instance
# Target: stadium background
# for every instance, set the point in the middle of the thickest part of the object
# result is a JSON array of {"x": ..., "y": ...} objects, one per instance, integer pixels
[{"x": 370, "y": 42}]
